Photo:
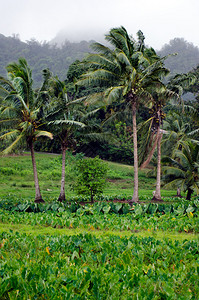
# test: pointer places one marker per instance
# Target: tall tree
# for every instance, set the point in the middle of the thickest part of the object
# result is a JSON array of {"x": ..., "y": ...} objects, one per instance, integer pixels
[
  {"x": 64, "y": 114},
  {"x": 19, "y": 112},
  {"x": 125, "y": 71},
  {"x": 161, "y": 95}
]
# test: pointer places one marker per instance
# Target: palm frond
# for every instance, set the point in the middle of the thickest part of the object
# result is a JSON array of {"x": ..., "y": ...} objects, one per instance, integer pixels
[
  {"x": 11, "y": 147},
  {"x": 90, "y": 114},
  {"x": 66, "y": 122},
  {"x": 103, "y": 61},
  {"x": 97, "y": 77},
  {"x": 175, "y": 183},
  {"x": 43, "y": 133},
  {"x": 99, "y": 137},
  {"x": 113, "y": 93},
  {"x": 9, "y": 135},
  {"x": 174, "y": 171}
]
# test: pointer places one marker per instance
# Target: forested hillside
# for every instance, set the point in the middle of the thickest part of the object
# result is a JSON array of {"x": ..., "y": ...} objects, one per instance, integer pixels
[
  {"x": 41, "y": 55},
  {"x": 186, "y": 59},
  {"x": 45, "y": 55}
]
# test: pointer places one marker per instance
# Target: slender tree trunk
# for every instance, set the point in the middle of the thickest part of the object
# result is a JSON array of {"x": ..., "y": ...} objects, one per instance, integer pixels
[
  {"x": 62, "y": 192},
  {"x": 92, "y": 199},
  {"x": 150, "y": 155},
  {"x": 157, "y": 195},
  {"x": 189, "y": 192},
  {"x": 179, "y": 193},
  {"x": 135, "y": 193},
  {"x": 38, "y": 197}
]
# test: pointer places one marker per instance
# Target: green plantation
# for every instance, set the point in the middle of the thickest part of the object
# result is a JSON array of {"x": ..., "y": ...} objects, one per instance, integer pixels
[
  {"x": 100, "y": 251},
  {"x": 89, "y": 267}
]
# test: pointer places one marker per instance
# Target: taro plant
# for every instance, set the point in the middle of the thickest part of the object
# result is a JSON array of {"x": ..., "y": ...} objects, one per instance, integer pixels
[{"x": 91, "y": 177}]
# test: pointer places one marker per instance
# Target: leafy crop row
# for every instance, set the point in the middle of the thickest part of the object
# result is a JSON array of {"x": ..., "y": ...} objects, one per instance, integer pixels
[
  {"x": 89, "y": 219},
  {"x": 103, "y": 207},
  {"x": 86, "y": 267}
]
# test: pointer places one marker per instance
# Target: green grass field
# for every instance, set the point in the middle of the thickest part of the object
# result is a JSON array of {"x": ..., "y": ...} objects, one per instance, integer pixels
[{"x": 16, "y": 177}]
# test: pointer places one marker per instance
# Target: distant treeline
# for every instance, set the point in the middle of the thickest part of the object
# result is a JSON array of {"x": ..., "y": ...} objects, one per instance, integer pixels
[
  {"x": 58, "y": 59},
  {"x": 41, "y": 55}
]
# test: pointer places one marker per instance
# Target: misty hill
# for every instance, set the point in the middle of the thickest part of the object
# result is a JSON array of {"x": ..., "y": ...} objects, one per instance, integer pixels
[
  {"x": 186, "y": 59},
  {"x": 58, "y": 59},
  {"x": 41, "y": 55}
]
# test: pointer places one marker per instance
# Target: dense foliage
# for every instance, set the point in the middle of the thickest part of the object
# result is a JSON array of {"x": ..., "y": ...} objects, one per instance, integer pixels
[
  {"x": 86, "y": 267},
  {"x": 91, "y": 177},
  {"x": 45, "y": 55},
  {"x": 107, "y": 94},
  {"x": 90, "y": 266}
]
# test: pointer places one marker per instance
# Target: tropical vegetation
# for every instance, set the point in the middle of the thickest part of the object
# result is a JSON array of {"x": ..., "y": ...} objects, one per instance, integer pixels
[
  {"x": 94, "y": 241},
  {"x": 20, "y": 112},
  {"x": 182, "y": 170},
  {"x": 126, "y": 72}
]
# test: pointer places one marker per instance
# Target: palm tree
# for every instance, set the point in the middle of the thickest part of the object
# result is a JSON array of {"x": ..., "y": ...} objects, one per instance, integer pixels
[
  {"x": 183, "y": 169},
  {"x": 125, "y": 71},
  {"x": 64, "y": 114},
  {"x": 19, "y": 112},
  {"x": 162, "y": 94},
  {"x": 177, "y": 129}
]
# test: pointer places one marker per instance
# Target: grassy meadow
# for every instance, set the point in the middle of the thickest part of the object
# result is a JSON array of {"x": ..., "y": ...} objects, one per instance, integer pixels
[{"x": 16, "y": 177}]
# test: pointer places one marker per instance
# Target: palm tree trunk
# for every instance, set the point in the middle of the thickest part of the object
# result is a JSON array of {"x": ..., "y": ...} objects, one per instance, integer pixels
[
  {"x": 135, "y": 192},
  {"x": 62, "y": 192},
  {"x": 189, "y": 192},
  {"x": 150, "y": 155},
  {"x": 38, "y": 197},
  {"x": 92, "y": 199},
  {"x": 157, "y": 195}
]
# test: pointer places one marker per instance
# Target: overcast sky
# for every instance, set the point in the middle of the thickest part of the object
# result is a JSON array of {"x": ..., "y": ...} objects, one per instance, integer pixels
[{"x": 160, "y": 20}]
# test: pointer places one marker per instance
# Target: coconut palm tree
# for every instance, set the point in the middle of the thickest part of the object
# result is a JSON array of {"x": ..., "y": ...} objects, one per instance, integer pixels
[
  {"x": 161, "y": 95},
  {"x": 177, "y": 129},
  {"x": 64, "y": 114},
  {"x": 183, "y": 169},
  {"x": 125, "y": 71},
  {"x": 19, "y": 112}
]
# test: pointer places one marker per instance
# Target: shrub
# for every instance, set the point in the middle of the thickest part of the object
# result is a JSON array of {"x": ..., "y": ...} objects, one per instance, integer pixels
[{"x": 91, "y": 177}]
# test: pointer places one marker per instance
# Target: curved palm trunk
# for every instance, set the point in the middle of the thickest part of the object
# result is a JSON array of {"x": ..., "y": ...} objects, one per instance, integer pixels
[
  {"x": 157, "y": 195},
  {"x": 62, "y": 192},
  {"x": 38, "y": 197},
  {"x": 150, "y": 155},
  {"x": 135, "y": 192}
]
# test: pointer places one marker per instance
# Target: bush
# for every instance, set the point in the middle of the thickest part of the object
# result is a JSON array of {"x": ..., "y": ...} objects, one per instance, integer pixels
[{"x": 91, "y": 177}]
